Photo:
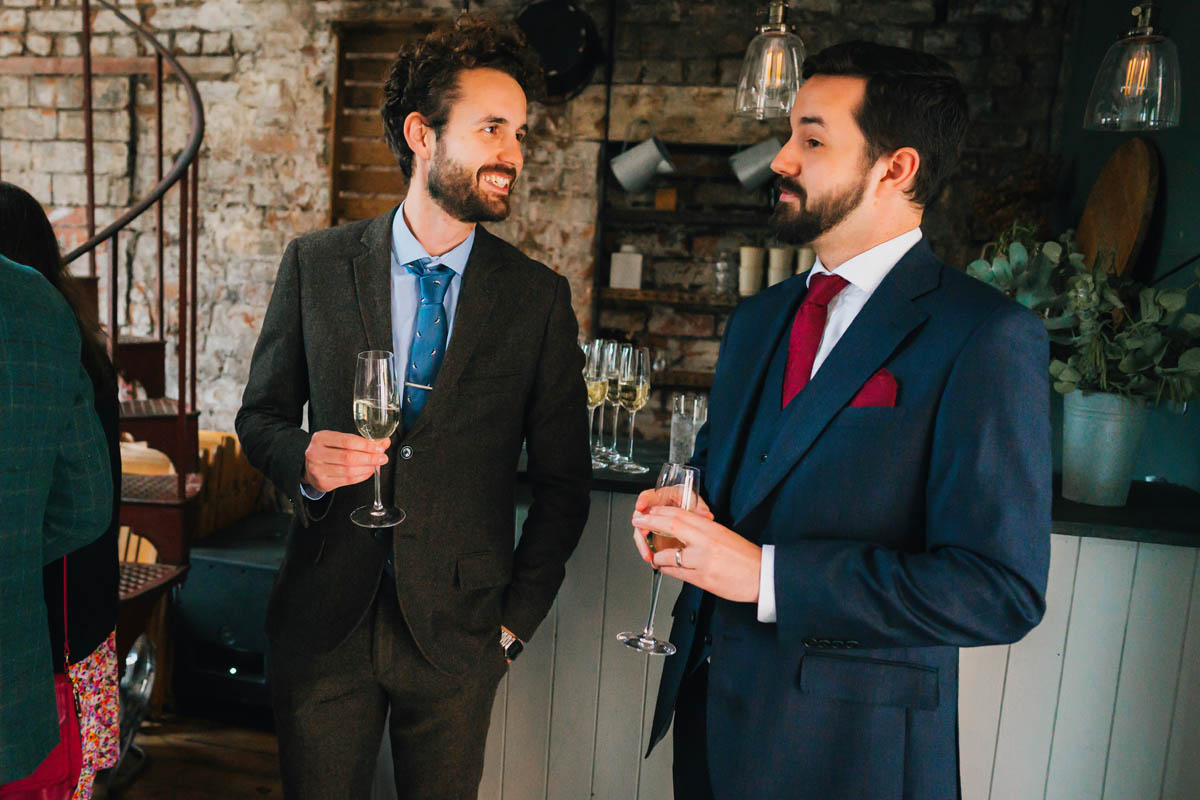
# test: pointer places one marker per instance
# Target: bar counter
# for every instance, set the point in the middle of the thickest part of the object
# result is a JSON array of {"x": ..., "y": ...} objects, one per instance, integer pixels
[{"x": 1102, "y": 698}]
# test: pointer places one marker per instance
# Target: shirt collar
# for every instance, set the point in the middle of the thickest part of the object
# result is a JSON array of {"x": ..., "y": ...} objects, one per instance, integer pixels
[
  {"x": 406, "y": 248},
  {"x": 868, "y": 269}
]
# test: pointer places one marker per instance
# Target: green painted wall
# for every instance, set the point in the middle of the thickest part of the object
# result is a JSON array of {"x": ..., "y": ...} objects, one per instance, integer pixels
[{"x": 1172, "y": 446}]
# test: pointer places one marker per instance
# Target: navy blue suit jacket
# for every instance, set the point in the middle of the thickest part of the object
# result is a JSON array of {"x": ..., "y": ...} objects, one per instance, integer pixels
[{"x": 901, "y": 534}]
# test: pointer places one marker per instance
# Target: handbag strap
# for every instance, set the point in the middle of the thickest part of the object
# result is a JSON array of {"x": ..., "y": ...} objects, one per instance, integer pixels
[{"x": 66, "y": 635}]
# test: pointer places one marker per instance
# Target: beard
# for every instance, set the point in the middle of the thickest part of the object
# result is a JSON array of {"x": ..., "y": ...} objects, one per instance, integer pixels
[
  {"x": 460, "y": 194},
  {"x": 807, "y": 222}
]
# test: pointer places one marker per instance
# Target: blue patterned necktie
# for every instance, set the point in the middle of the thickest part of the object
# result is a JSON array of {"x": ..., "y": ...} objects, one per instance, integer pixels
[{"x": 430, "y": 333}]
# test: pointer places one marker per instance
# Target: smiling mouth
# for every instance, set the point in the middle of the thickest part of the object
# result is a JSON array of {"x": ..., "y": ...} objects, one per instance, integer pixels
[{"x": 497, "y": 182}]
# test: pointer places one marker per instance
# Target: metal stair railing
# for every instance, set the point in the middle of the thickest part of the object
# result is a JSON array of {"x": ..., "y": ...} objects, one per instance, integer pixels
[{"x": 184, "y": 171}]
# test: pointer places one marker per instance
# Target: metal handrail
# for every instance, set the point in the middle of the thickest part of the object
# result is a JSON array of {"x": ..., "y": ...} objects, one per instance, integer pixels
[{"x": 182, "y": 162}]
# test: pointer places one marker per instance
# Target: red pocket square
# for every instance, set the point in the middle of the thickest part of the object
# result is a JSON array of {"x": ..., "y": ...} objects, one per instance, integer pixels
[{"x": 879, "y": 390}]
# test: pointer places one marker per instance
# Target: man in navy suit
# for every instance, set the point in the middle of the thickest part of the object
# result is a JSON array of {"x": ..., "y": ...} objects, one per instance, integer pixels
[{"x": 876, "y": 471}]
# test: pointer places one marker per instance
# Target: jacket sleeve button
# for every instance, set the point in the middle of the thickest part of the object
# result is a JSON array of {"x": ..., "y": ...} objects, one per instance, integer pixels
[{"x": 406, "y": 452}]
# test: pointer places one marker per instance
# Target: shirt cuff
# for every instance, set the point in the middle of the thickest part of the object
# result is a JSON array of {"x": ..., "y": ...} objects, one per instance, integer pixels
[
  {"x": 310, "y": 492},
  {"x": 766, "y": 585}
]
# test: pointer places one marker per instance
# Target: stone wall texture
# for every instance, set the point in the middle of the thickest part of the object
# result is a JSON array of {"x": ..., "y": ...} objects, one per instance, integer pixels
[{"x": 265, "y": 71}]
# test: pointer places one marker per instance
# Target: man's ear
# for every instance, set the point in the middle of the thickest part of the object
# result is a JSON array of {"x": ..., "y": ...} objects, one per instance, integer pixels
[
  {"x": 419, "y": 135},
  {"x": 902, "y": 166}
]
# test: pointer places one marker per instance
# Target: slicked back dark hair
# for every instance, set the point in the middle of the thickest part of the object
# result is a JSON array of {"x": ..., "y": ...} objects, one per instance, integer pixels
[
  {"x": 424, "y": 77},
  {"x": 912, "y": 99}
]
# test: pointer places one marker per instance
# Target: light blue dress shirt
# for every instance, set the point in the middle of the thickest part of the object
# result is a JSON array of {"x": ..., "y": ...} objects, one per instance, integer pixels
[{"x": 406, "y": 294}]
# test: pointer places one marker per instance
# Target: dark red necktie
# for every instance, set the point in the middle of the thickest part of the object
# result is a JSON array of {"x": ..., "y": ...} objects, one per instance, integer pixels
[{"x": 807, "y": 329}]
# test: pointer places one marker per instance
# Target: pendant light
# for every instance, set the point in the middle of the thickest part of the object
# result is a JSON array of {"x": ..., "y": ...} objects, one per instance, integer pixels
[
  {"x": 771, "y": 72},
  {"x": 1137, "y": 87}
]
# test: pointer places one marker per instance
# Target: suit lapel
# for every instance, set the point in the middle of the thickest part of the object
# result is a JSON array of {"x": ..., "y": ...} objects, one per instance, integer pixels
[
  {"x": 373, "y": 281},
  {"x": 475, "y": 301},
  {"x": 749, "y": 359},
  {"x": 883, "y": 324}
]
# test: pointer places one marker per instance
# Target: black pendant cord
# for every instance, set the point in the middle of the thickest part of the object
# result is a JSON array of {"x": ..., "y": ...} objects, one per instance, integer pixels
[{"x": 611, "y": 57}]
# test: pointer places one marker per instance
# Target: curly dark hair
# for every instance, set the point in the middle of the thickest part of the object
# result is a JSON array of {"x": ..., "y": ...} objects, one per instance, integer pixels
[{"x": 424, "y": 77}]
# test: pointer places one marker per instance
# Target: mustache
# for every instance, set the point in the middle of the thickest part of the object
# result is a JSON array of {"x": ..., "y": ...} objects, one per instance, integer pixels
[
  {"x": 501, "y": 169},
  {"x": 783, "y": 184}
]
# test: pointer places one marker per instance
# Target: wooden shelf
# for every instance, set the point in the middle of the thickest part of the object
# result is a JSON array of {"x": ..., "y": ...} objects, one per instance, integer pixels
[
  {"x": 639, "y": 218},
  {"x": 682, "y": 379},
  {"x": 692, "y": 301}
]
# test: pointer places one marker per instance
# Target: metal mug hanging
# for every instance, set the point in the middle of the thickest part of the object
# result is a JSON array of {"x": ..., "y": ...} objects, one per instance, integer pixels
[
  {"x": 752, "y": 166},
  {"x": 636, "y": 166}
]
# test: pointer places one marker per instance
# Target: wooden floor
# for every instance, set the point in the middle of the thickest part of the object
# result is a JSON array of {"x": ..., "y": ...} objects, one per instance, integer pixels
[{"x": 199, "y": 759}]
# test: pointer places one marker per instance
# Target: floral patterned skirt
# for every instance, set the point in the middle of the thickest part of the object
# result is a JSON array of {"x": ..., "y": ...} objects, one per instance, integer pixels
[{"x": 95, "y": 682}]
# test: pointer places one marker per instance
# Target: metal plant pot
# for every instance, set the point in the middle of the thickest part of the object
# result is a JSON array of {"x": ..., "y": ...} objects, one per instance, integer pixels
[{"x": 1102, "y": 434}]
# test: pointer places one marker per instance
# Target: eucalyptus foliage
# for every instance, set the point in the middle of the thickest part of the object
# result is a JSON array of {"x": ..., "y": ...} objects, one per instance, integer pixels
[{"x": 1107, "y": 333}]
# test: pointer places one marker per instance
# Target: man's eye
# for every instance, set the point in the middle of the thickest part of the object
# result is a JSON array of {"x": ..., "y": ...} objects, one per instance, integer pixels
[
  {"x": 812, "y": 143},
  {"x": 490, "y": 129},
  {"x": 520, "y": 137}
]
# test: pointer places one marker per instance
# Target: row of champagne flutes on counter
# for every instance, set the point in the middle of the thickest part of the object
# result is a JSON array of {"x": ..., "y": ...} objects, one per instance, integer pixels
[{"x": 616, "y": 374}]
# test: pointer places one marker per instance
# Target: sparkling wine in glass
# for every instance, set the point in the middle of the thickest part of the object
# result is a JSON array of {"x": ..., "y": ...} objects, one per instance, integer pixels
[
  {"x": 621, "y": 353},
  {"x": 633, "y": 391},
  {"x": 376, "y": 415},
  {"x": 597, "y": 387},
  {"x": 607, "y": 353},
  {"x": 683, "y": 482}
]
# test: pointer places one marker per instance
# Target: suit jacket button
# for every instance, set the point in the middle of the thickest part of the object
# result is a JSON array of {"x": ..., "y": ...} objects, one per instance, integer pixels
[
  {"x": 763, "y": 458},
  {"x": 406, "y": 452},
  {"x": 810, "y": 642},
  {"x": 707, "y": 639},
  {"x": 692, "y": 617}
]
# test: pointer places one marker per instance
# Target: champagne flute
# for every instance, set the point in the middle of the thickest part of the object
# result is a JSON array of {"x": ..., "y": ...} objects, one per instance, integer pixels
[
  {"x": 597, "y": 386},
  {"x": 376, "y": 415},
  {"x": 608, "y": 353},
  {"x": 685, "y": 478},
  {"x": 633, "y": 392},
  {"x": 622, "y": 353}
]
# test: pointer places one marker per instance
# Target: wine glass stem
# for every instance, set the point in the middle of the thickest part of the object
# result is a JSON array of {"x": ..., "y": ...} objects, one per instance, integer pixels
[
  {"x": 632, "y": 416},
  {"x": 600, "y": 434},
  {"x": 378, "y": 507},
  {"x": 648, "y": 633},
  {"x": 591, "y": 424},
  {"x": 616, "y": 427}
]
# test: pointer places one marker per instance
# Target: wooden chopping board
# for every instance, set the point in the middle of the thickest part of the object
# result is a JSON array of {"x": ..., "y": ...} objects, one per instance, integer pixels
[{"x": 1120, "y": 206}]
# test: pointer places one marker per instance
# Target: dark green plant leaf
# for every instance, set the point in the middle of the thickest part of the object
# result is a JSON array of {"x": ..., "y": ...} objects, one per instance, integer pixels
[{"x": 1189, "y": 362}]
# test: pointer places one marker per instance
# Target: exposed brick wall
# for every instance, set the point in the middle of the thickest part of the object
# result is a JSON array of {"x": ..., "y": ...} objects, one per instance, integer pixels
[{"x": 265, "y": 71}]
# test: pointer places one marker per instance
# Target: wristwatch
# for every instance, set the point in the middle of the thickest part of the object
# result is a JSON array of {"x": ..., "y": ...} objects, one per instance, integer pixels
[{"x": 511, "y": 644}]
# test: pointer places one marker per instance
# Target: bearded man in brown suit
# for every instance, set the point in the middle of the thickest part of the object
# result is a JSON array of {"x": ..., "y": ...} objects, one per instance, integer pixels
[{"x": 420, "y": 619}]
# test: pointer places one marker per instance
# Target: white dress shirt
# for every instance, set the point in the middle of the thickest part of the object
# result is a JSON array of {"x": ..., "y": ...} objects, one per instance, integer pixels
[{"x": 864, "y": 273}]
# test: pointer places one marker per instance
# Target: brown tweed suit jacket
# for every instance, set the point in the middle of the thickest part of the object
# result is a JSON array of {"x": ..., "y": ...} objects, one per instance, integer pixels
[{"x": 512, "y": 375}]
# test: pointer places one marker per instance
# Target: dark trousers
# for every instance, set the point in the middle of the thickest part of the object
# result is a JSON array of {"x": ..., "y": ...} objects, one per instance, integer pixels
[
  {"x": 330, "y": 710},
  {"x": 689, "y": 769}
]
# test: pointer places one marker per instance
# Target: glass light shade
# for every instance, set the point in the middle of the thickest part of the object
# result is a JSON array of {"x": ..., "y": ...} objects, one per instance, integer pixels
[
  {"x": 1137, "y": 87},
  {"x": 770, "y": 75}
]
